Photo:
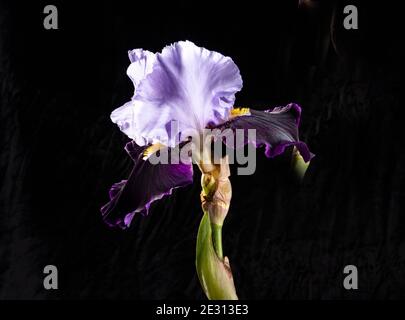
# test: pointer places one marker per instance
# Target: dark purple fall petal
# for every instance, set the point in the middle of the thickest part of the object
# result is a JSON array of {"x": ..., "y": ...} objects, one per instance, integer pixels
[
  {"x": 276, "y": 129},
  {"x": 146, "y": 184}
]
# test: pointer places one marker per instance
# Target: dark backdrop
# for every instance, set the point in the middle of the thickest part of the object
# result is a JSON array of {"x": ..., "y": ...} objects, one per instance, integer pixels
[{"x": 60, "y": 152}]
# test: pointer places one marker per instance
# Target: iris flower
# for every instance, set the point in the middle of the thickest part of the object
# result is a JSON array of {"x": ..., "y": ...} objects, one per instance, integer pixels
[{"x": 179, "y": 93}]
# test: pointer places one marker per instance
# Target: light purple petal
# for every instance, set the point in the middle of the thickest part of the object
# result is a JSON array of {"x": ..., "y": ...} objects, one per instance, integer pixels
[
  {"x": 141, "y": 65},
  {"x": 189, "y": 85},
  {"x": 146, "y": 184},
  {"x": 124, "y": 117}
]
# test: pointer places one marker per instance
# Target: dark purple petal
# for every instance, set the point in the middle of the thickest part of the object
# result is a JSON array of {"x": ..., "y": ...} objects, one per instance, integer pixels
[
  {"x": 147, "y": 183},
  {"x": 276, "y": 129}
]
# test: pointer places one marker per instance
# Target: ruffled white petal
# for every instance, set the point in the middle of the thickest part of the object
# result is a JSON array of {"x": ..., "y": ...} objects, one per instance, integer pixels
[
  {"x": 141, "y": 65},
  {"x": 184, "y": 90}
]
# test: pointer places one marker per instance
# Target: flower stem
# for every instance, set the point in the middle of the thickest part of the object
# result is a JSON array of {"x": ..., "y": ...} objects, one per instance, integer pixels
[
  {"x": 217, "y": 239},
  {"x": 213, "y": 268},
  {"x": 214, "y": 273}
]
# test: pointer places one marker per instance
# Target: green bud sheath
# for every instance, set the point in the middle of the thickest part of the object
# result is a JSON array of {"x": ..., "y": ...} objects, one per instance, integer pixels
[
  {"x": 298, "y": 164},
  {"x": 213, "y": 270}
]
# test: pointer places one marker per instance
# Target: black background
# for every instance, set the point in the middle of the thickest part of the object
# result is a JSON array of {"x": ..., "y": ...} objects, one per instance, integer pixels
[{"x": 60, "y": 152}]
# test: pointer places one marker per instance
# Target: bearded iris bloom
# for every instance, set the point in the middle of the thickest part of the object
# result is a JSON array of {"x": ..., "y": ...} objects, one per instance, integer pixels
[{"x": 195, "y": 89}]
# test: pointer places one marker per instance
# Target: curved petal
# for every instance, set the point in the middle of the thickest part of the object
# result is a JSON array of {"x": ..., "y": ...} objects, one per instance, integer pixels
[
  {"x": 147, "y": 183},
  {"x": 124, "y": 117},
  {"x": 276, "y": 129},
  {"x": 190, "y": 87},
  {"x": 141, "y": 65}
]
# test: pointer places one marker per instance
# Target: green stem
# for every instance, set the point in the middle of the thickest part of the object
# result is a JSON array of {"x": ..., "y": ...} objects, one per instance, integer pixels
[
  {"x": 217, "y": 239},
  {"x": 214, "y": 275}
]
